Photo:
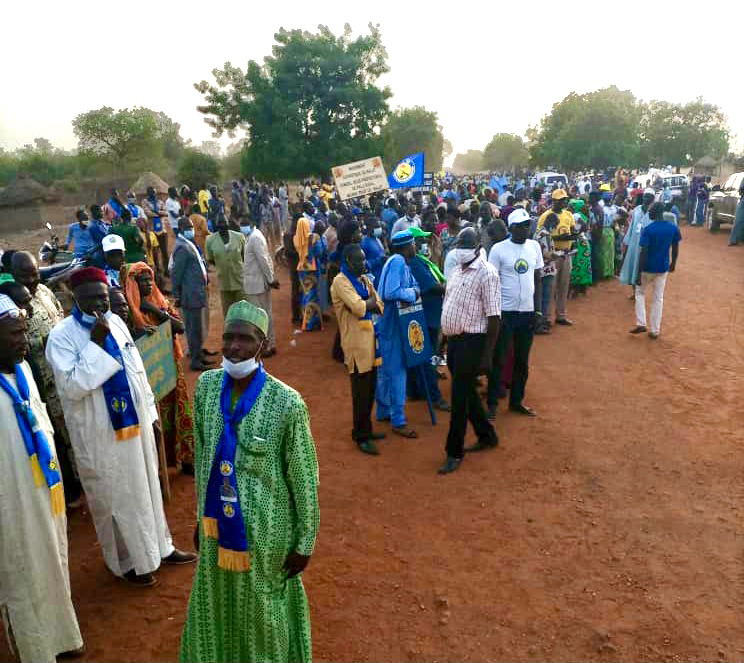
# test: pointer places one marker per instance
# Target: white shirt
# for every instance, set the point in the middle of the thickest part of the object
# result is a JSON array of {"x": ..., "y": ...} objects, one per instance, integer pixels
[
  {"x": 516, "y": 265},
  {"x": 173, "y": 207}
]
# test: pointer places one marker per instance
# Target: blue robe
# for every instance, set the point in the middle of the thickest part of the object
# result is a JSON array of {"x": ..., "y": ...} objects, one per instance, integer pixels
[
  {"x": 375, "y": 254},
  {"x": 632, "y": 239},
  {"x": 396, "y": 284}
]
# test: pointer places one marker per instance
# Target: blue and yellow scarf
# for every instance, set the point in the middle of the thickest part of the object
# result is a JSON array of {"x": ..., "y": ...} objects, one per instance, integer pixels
[
  {"x": 119, "y": 401},
  {"x": 43, "y": 463},
  {"x": 363, "y": 292},
  {"x": 223, "y": 517}
]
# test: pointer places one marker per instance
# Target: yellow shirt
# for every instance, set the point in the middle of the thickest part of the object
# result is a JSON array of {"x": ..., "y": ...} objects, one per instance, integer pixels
[
  {"x": 357, "y": 335},
  {"x": 150, "y": 250},
  {"x": 566, "y": 225}
]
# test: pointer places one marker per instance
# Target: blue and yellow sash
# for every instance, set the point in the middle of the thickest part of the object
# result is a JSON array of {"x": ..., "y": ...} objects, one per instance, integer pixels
[
  {"x": 363, "y": 292},
  {"x": 119, "y": 401},
  {"x": 223, "y": 518},
  {"x": 43, "y": 465}
]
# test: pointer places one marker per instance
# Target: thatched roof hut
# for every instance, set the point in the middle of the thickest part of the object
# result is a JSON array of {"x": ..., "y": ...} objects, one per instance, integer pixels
[
  {"x": 24, "y": 191},
  {"x": 149, "y": 179}
]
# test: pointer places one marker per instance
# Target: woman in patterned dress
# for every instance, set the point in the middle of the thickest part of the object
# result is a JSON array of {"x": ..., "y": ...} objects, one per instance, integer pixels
[{"x": 149, "y": 307}]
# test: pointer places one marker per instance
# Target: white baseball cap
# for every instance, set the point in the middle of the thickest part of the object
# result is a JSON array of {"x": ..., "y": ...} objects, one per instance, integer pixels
[
  {"x": 112, "y": 243},
  {"x": 649, "y": 192},
  {"x": 519, "y": 215}
]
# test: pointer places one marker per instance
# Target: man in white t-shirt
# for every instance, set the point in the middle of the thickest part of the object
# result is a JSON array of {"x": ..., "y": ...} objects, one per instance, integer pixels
[
  {"x": 173, "y": 207},
  {"x": 519, "y": 262}
]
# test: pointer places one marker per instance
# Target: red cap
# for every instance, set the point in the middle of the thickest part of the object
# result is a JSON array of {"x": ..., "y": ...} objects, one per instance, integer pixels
[{"x": 88, "y": 275}]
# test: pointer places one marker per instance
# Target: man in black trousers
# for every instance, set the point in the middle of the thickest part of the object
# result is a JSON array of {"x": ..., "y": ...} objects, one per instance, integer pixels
[{"x": 470, "y": 321}]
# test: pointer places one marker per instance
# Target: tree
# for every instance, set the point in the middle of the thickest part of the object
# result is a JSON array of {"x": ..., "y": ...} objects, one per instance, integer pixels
[
  {"x": 505, "y": 152},
  {"x": 469, "y": 162},
  {"x": 411, "y": 130},
  {"x": 313, "y": 104},
  {"x": 594, "y": 130},
  {"x": 680, "y": 134},
  {"x": 211, "y": 147},
  {"x": 197, "y": 168},
  {"x": 129, "y": 139}
]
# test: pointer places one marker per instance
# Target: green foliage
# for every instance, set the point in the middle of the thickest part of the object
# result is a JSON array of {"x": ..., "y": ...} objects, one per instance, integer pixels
[
  {"x": 411, "y": 130},
  {"x": 594, "y": 130},
  {"x": 130, "y": 140},
  {"x": 44, "y": 163},
  {"x": 312, "y": 105},
  {"x": 505, "y": 151},
  {"x": 469, "y": 162},
  {"x": 197, "y": 168},
  {"x": 680, "y": 134}
]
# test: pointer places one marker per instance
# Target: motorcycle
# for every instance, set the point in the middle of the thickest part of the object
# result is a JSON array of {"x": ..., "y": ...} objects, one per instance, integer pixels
[{"x": 50, "y": 252}]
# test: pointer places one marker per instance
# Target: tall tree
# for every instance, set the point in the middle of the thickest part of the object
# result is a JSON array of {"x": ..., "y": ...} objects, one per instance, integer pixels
[
  {"x": 505, "y": 151},
  {"x": 468, "y": 162},
  {"x": 680, "y": 134},
  {"x": 129, "y": 139},
  {"x": 593, "y": 130},
  {"x": 313, "y": 104},
  {"x": 411, "y": 130}
]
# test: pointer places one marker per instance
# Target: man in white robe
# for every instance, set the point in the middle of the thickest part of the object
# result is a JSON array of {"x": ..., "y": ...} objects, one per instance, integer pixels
[
  {"x": 35, "y": 601},
  {"x": 119, "y": 476}
]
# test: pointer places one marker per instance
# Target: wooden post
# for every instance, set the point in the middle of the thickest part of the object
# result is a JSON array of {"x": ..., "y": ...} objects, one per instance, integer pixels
[{"x": 163, "y": 463}]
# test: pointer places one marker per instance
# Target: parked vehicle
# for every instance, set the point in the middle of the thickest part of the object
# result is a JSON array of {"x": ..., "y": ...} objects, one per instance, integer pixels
[
  {"x": 678, "y": 184},
  {"x": 548, "y": 179},
  {"x": 722, "y": 203}
]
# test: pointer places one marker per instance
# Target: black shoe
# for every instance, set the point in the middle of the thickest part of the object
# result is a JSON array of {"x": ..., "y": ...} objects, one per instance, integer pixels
[
  {"x": 450, "y": 465},
  {"x": 144, "y": 580},
  {"x": 368, "y": 447},
  {"x": 564, "y": 321},
  {"x": 73, "y": 653},
  {"x": 523, "y": 409},
  {"x": 178, "y": 557},
  {"x": 187, "y": 469},
  {"x": 544, "y": 329},
  {"x": 484, "y": 444},
  {"x": 442, "y": 406},
  {"x": 377, "y": 436},
  {"x": 492, "y": 409}
]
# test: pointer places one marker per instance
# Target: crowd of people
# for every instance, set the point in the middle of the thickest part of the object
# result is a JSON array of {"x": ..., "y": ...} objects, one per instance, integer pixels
[{"x": 489, "y": 262}]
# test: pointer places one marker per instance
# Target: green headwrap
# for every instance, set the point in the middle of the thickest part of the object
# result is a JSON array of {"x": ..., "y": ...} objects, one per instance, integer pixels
[
  {"x": 244, "y": 311},
  {"x": 6, "y": 278}
]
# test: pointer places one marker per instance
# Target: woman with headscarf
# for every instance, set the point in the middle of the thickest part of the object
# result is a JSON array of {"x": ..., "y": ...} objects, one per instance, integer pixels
[
  {"x": 307, "y": 271},
  {"x": 581, "y": 270},
  {"x": 148, "y": 307}
]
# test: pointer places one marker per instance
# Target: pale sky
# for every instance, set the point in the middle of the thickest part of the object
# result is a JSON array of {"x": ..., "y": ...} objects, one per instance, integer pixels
[{"x": 484, "y": 67}]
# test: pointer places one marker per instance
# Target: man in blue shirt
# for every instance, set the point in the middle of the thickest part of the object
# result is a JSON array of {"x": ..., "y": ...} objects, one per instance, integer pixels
[
  {"x": 431, "y": 282},
  {"x": 79, "y": 235},
  {"x": 657, "y": 239},
  {"x": 397, "y": 285}
]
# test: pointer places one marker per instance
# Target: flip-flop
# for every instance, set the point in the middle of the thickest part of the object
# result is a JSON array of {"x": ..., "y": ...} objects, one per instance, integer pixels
[{"x": 405, "y": 432}]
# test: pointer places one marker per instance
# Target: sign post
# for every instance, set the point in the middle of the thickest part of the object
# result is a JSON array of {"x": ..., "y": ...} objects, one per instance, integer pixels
[
  {"x": 360, "y": 178},
  {"x": 156, "y": 351}
]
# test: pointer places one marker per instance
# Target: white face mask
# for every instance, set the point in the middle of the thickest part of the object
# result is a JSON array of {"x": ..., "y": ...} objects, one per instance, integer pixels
[
  {"x": 463, "y": 256},
  {"x": 241, "y": 369}
]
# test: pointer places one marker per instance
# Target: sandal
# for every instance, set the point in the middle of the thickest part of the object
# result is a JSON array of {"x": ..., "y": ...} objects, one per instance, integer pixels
[{"x": 405, "y": 432}]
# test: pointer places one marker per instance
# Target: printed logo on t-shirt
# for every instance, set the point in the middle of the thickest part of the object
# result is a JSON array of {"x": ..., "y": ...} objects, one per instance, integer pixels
[{"x": 521, "y": 266}]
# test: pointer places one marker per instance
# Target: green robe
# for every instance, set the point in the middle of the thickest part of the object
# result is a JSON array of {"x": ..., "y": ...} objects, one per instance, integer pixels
[{"x": 256, "y": 615}]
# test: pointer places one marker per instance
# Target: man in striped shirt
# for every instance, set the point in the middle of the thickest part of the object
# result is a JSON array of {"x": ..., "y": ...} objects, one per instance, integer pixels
[{"x": 470, "y": 321}]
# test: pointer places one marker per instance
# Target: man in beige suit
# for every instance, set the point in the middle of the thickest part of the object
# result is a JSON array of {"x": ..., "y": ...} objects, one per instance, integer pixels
[
  {"x": 354, "y": 301},
  {"x": 259, "y": 278}
]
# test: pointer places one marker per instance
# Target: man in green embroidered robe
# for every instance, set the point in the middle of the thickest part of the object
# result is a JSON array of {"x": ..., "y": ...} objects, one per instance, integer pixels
[{"x": 257, "y": 507}]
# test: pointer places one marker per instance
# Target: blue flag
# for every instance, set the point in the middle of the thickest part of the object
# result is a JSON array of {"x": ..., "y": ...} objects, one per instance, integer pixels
[{"x": 408, "y": 172}]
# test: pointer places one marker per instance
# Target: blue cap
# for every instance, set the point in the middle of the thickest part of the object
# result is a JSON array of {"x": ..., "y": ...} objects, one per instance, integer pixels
[{"x": 402, "y": 238}]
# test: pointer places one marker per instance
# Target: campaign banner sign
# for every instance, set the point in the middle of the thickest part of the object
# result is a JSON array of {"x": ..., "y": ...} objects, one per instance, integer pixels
[
  {"x": 360, "y": 178},
  {"x": 413, "y": 330},
  {"x": 156, "y": 351}
]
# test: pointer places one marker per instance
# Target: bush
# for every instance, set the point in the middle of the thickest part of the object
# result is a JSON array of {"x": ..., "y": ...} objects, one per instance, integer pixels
[{"x": 197, "y": 168}]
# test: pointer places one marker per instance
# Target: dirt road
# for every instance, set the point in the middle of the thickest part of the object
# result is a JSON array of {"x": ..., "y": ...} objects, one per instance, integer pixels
[{"x": 608, "y": 528}]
